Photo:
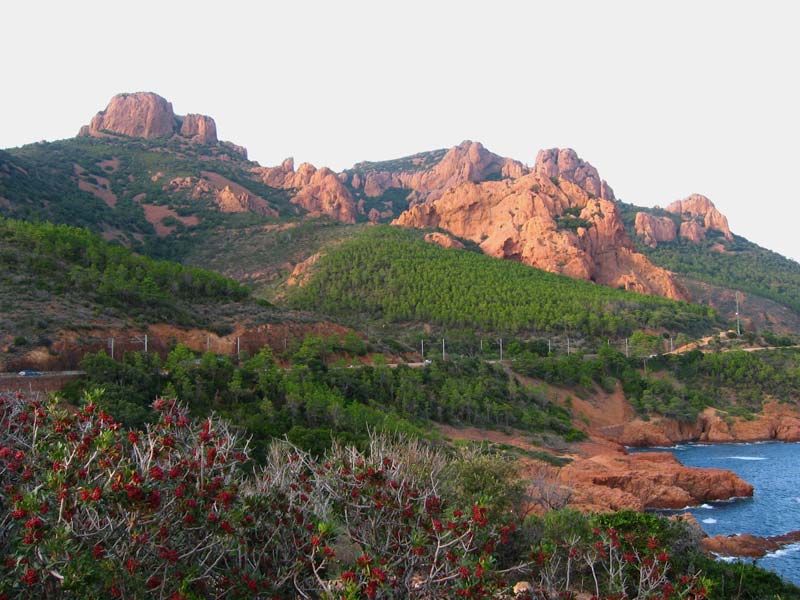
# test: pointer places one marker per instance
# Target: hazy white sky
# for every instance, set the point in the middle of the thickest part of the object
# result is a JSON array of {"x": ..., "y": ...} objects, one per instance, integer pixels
[{"x": 665, "y": 99}]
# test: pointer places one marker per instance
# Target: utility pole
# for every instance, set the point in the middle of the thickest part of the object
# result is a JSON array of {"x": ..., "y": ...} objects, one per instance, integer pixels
[
  {"x": 549, "y": 349},
  {"x": 738, "y": 326},
  {"x": 111, "y": 346},
  {"x": 208, "y": 343},
  {"x": 443, "y": 353},
  {"x": 145, "y": 343},
  {"x": 481, "y": 345},
  {"x": 627, "y": 354},
  {"x": 237, "y": 348},
  {"x": 501, "y": 349},
  {"x": 422, "y": 352},
  {"x": 671, "y": 347}
]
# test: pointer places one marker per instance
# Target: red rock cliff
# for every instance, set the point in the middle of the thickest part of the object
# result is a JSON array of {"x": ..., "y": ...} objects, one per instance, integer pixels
[
  {"x": 560, "y": 217},
  {"x": 700, "y": 216},
  {"x": 148, "y": 115}
]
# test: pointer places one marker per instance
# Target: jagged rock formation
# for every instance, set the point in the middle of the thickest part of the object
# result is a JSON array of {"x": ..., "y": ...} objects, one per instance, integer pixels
[
  {"x": 559, "y": 217},
  {"x": 199, "y": 128},
  {"x": 653, "y": 229},
  {"x": 698, "y": 216},
  {"x": 564, "y": 163},
  {"x": 147, "y": 115},
  {"x": 469, "y": 161},
  {"x": 701, "y": 211},
  {"x": 319, "y": 191}
]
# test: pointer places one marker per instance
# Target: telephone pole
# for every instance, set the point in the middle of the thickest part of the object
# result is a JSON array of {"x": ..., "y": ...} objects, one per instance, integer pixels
[
  {"x": 738, "y": 325},
  {"x": 501, "y": 349},
  {"x": 443, "y": 352}
]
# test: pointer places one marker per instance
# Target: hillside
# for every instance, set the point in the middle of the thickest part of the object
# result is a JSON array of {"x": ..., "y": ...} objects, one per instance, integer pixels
[
  {"x": 64, "y": 288},
  {"x": 713, "y": 263},
  {"x": 165, "y": 185},
  {"x": 391, "y": 274}
]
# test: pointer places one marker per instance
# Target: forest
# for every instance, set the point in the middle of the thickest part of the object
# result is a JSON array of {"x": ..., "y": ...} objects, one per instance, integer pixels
[{"x": 389, "y": 273}]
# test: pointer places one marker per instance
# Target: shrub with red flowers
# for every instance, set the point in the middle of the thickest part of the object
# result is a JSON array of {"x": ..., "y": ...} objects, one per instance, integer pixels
[{"x": 92, "y": 511}]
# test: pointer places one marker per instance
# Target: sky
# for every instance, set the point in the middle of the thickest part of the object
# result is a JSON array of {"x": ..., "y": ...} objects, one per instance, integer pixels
[{"x": 665, "y": 99}]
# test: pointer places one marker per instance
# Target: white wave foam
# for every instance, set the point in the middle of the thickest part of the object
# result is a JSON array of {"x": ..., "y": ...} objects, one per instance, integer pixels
[
  {"x": 791, "y": 548},
  {"x": 709, "y": 520},
  {"x": 747, "y": 457},
  {"x": 706, "y": 506}
]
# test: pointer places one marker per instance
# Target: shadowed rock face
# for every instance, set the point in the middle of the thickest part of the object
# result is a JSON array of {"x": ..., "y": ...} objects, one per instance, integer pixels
[
  {"x": 147, "y": 115},
  {"x": 653, "y": 229},
  {"x": 559, "y": 216}
]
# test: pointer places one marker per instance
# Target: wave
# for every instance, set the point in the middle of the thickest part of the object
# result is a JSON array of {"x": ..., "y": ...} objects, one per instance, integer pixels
[
  {"x": 706, "y": 506},
  {"x": 744, "y": 457},
  {"x": 709, "y": 520},
  {"x": 791, "y": 548}
]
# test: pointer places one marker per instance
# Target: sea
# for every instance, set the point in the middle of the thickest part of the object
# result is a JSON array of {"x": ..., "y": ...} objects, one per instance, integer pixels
[{"x": 774, "y": 470}]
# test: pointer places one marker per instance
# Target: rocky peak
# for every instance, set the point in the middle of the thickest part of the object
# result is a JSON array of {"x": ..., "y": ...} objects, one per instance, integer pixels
[
  {"x": 148, "y": 115},
  {"x": 701, "y": 211},
  {"x": 199, "y": 128},
  {"x": 564, "y": 163},
  {"x": 143, "y": 115}
]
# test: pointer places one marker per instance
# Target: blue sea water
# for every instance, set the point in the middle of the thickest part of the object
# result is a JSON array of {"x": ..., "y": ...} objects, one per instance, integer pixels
[{"x": 774, "y": 470}]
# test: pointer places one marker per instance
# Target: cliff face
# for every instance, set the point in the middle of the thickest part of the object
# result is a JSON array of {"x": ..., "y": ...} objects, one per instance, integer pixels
[
  {"x": 319, "y": 191},
  {"x": 698, "y": 216},
  {"x": 147, "y": 115},
  {"x": 559, "y": 217},
  {"x": 700, "y": 210}
]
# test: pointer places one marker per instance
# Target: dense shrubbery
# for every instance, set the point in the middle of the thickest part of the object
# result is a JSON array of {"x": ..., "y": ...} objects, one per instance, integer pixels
[
  {"x": 723, "y": 379},
  {"x": 390, "y": 273},
  {"x": 90, "y": 510},
  {"x": 314, "y": 405}
]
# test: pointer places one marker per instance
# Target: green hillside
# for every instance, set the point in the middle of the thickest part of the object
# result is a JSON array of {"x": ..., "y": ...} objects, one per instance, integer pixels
[
  {"x": 66, "y": 181},
  {"x": 742, "y": 265},
  {"x": 57, "y": 278},
  {"x": 392, "y": 274}
]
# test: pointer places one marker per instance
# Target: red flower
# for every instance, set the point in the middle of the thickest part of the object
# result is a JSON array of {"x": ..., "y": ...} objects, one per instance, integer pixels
[
  {"x": 30, "y": 577},
  {"x": 98, "y": 551}
]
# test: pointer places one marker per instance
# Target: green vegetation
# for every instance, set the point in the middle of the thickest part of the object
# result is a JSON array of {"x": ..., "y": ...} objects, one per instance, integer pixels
[
  {"x": 314, "y": 405},
  {"x": 736, "y": 381},
  {"x": 41, "y": 183},
  {"x": 58, "y": 258},
  {"x": 391, "y": 274},
  {"x": 416, "y": 162},
  {"x": 742, "y": 266}
]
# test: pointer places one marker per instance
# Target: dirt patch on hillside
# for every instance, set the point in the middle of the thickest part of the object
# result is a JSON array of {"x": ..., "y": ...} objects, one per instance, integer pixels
[{"x": 156, "y": 214}]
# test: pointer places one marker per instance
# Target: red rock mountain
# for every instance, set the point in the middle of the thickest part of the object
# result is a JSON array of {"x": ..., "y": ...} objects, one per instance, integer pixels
[
  {"x": 147, "y": 115},
  {"x": 559, "y": 216},
  {"x": 319, "y": 191},
  {"x": 698, "y": 216}
]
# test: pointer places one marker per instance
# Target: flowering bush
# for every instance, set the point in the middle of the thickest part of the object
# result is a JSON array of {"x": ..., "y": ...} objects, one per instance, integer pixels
[
  {"x": 171, "y": 512},
  {"x": 91, "y": 510}
]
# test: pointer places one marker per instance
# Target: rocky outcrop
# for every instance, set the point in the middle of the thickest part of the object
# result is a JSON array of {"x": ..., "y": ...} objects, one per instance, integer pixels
[
  {"x": 147, "y": 115},
  {"x": 653, "y": 229},
  {"x": 564, "y": 164},
  {"x": 609, "y": 482},
  {"x": 443, "y": 240},
  {"x": 777, "y": 421},
  {"x": 559, "y": 218},
  {"x": 318, "y": 191},
  {"x": 142, "y": 115},
  {"x": 701, "y": 211},
  {"x": 747, "y": 545},
  {"x": 199, "y": 128},
  {"x": 469, "y": 161}
]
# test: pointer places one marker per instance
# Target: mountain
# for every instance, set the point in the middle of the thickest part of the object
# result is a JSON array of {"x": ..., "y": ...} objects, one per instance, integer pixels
[{"x": 164, "y": 184}]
